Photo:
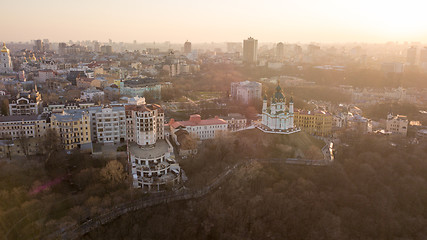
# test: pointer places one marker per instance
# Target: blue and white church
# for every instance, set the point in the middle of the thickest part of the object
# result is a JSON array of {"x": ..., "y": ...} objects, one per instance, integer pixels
[{"x": 277, "y": 116}]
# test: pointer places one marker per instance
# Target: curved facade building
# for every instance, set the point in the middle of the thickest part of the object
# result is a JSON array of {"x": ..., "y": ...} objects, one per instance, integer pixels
[{"x": 150, "y": 154}]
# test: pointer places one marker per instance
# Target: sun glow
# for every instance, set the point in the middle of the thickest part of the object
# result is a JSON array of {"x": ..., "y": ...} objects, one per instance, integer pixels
[{"x": 396, "y": 19}]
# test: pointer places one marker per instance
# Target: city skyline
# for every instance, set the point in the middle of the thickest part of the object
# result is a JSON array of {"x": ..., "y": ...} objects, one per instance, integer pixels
[{"x": 273, "y": 21}]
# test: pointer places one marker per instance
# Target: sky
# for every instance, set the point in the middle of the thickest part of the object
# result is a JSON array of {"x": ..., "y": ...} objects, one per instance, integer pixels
[{"x": 323, "y": 21}]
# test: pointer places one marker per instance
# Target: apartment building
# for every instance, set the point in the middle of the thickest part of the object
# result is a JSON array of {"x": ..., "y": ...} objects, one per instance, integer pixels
[
  {"x": 397, "y": 124},
  {"x": 315, "y": 122},
  {"x": 150, "y": 154},
  {"x": 108, "y": 125},
  {"x": 27, "y": 126},
  {"x": 246, "y": 92},
  {"x": 26, "y": 104},
  {"x": 235, "y": 121},
  {"x": 73, "y": 127},
  {"x": 198, "y": 128}
]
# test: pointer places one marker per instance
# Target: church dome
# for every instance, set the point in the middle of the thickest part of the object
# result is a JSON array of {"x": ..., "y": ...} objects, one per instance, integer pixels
[
  {"x": 4, "y": 48},
  {"x": 278, "y": 95}
]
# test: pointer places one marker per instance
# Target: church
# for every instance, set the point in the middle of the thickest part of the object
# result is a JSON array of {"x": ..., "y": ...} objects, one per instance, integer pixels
[
  {"x": 277, "y": 117},
  {"x": 5, "y": 60}
]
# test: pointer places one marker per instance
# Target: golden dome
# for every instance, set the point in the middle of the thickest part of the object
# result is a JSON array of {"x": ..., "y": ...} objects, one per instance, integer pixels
[{"x": 4, "y": 48}]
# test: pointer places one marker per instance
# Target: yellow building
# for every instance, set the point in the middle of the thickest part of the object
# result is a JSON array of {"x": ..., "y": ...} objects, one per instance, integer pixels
[
  {"x": 117, "y": 82},
  {"x": 73, "y": 127},
  {"x": 315, "y": 122}
]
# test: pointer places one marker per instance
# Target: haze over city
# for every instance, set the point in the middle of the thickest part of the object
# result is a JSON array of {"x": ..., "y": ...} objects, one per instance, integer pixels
[
  {"x": 215, "y": 21},
  {"x": 235, "y": 119}
]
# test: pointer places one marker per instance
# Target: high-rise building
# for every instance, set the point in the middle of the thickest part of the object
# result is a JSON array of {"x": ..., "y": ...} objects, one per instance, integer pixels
[
  {"x": 423, "y": 55},
  {"x": 38, "y": 45},
  {"x": 411, "y": 56},
  {"x": 5, "y": 60},
  {"x": 250, "y": 49},
  {"x": 280, "y": 50},
  {"x": 46, "y": 45},
  {"x": 423, "y": 58},
  {"x": 96, "y": 46},
  {"x": 150, "y": 154},
  {"x": 106, "y": 49},
  {"x": 62, "y": 47},
  {"x": 187, "y": 47}
]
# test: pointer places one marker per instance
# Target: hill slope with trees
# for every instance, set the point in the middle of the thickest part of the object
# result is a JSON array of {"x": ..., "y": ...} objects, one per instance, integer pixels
[{"x": 374, "y": 190}]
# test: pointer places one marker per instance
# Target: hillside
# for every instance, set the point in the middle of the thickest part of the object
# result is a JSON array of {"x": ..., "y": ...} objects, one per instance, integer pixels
[
  {"x": 372, "y": 191},
  {"x": 269, "y": 145}
]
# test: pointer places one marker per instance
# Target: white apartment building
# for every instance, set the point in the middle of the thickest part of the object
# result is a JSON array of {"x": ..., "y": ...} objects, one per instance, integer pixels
[
  {"x": 200, "y": 129},
  {"x": 246, "y": 91},
  {"x": 397, "y": 124},
  {"x": 26, "y": 104},
  {"x": 150, "y": 154},
  {"x": 108, "y": 125}
]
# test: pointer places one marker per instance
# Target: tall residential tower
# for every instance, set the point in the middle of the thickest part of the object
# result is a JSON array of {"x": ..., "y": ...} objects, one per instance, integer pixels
[{"x": 250, "y": 51}]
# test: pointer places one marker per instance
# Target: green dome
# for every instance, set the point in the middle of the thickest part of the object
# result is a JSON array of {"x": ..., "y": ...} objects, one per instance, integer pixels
[{"x": 279, "y": 94}]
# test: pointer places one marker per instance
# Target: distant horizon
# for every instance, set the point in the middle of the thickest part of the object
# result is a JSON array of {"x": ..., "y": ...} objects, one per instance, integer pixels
[
  {"x": 214, "y": 42},
  {"x": 329, "y": 21}
]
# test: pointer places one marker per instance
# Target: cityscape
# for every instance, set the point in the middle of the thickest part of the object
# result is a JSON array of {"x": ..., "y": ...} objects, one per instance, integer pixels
[{"x": 264, "y": 136}]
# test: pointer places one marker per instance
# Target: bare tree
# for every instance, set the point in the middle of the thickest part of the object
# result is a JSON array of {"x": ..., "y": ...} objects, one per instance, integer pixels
[
  {"x": 113, "y": 172},
  {"x": 51, "y": 144}
]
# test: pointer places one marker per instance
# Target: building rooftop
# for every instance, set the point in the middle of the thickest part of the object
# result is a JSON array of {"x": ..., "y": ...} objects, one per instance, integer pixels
[
  {"x": 144, "y": 108},
  {"x": 154, "y": 151},
  {"x": 314, "y": 112},
  {"x": 196, "y": 120},
  {"x": 92, "y": 90},
  {"x": 140, "y": 82},
  {"x": 19, "y": 118},
  {"x": 248, "y": 83},
  {"x": 231, "y": 116},
  {"x": 70, "y": 115}
]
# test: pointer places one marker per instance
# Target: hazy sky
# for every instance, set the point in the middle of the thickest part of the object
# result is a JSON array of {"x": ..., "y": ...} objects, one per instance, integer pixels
[{"x": 218, "y": 20}]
